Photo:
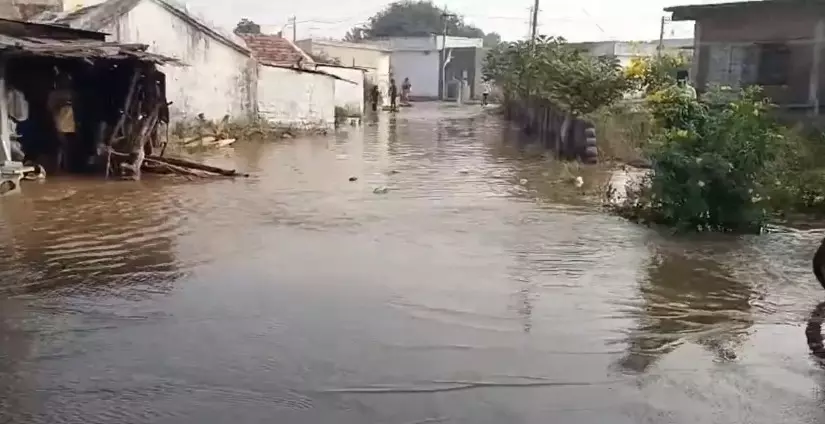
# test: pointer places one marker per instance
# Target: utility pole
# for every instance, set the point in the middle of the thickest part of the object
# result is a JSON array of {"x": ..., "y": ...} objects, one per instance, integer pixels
[
  {"x": 535, "y": 23},
  {"x": 661, "y": 45},
  {"x": 443, "y": 65},
  {"x": 530, "y": 22},
  {"x": 293, "y": 22}
]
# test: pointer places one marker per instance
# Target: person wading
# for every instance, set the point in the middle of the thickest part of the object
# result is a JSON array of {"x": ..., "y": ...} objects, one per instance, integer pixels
[
  {"x": 485, "y": 95},
  {"x": 375, "y": 97},
  {"x": 406, "y": 88},
  {"x": 393, "y": 96},
  {"x": 60, "y": 106}
]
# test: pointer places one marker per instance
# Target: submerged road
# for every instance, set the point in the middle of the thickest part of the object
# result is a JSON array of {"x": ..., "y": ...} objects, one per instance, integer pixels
[{"x": 475, "y": 290}]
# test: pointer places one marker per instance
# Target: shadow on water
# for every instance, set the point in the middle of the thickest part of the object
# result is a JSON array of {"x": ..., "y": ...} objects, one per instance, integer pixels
[{"x": 688, "y": 296}]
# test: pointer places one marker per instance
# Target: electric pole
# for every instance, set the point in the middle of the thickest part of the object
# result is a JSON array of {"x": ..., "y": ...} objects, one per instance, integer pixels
[
  {"x": 293, "y": 22},
  {"x": 661, "y": 45},
  {"x": 443, "y": 71},
  {"x": 534, "y": 25},
  {"x": 530, "y": 23}
]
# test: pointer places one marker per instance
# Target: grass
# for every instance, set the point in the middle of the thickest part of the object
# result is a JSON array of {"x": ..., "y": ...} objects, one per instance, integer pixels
[{"x": 622, "y": 132}]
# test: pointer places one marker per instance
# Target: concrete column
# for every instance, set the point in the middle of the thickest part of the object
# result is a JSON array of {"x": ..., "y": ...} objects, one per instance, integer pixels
[
  {"x": 813, "y": 88},
  {"x": 5, "y": 130},
  {"x": 697, "y": 49}
]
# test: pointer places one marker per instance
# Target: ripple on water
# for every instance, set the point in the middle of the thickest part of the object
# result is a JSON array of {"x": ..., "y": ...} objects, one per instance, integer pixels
[{"x": 477, "y": 289}]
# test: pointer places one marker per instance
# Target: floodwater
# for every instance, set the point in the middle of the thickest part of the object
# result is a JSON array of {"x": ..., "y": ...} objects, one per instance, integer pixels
[{"x": 475, "y": 290}]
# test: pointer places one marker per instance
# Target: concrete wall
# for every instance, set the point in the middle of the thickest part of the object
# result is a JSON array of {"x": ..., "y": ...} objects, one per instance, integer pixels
[
  {"x": 348, "y": 95},
  {"x": 375, "y": 59},
  {"x": 25, "y": 9},
  {"x": 463, "y": 60},
  {"x": 728, "y": 53},
  {"x": 421, "y": 67},
  {"x": 302, "y": 99},
  {"x": 220, "y": 80}
]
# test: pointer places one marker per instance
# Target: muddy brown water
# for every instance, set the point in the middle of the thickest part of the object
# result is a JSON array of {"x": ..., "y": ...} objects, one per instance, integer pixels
[{"x": 475, "y": 290}]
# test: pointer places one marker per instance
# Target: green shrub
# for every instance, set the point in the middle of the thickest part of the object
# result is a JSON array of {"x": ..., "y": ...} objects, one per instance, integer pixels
[{"x": 711, "y": 163}]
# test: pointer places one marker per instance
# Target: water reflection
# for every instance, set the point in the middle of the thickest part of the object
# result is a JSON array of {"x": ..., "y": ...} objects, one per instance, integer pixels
[
  {"x": 89, "y": 238},
  {"x": 813, "y": 333},
  {"x": 15, "y": 379},
  {"x": 461, "y": 295},
  {"x": 687, "y": 296}
]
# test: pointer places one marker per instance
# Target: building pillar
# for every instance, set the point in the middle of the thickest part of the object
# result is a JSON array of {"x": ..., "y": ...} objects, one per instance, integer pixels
[
  {"x": 5, "y": 130},
  {"x": 697, "y": 49},
  {"x": 11, "y": 172},
  {"x": 813, "y": 88}
]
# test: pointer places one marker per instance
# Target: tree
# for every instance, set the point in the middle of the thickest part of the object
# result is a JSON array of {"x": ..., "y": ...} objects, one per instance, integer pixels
[
  {"x": 322, "y": 57},
  {"x": 410, "y": 18},
  {"x": 492, "y": 39},
  {"x": 550, "y": 70},
  {"x": 651, "y": 74},
  {"x": 355, "y": 34},
  {"x": 246, "y": 26}
]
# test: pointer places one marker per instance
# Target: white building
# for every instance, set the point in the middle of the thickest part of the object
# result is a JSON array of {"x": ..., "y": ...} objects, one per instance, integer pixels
[
  {"x": 290, "y": 90},
  {"x": 375, "y": 60},
  {"x": 220, "y": 77},
  {"x": 349, "y": 89},
  {"x": 419, "y": 59},
  {"x": 626, "y": 51},
  {"x": 25, "y": 9}
]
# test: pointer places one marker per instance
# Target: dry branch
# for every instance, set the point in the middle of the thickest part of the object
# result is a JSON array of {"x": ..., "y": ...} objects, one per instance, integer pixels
[{"x": 199, "y": 166}]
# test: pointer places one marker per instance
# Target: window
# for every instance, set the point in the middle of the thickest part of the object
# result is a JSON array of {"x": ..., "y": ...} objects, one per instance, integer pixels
[{"x": 774, "y": 64}]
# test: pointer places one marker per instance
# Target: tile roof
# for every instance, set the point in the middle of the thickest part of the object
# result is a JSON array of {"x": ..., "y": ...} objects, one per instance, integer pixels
[{"x": 276, "y": 50}]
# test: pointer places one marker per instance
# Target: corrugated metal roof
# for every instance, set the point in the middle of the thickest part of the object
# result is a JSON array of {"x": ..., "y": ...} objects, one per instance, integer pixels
[
  {"x": 695, "y": 11},
  {"x": 78, "y": 49}
]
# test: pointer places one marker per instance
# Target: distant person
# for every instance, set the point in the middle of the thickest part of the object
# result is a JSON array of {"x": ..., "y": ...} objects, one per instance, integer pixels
[
  {"x": 393, "y": 95},
  {"x": 60, "y": 106},
  {"x": 485, "y": 94},
  {"x": 682, "y": 82},
  {"x": 406, "y": 88},
  {"x": 375, "y": 97}
]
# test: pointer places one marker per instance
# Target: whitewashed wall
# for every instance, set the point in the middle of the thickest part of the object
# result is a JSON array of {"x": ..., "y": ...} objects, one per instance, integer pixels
[
  {"x": 219, "y": 79},
  {"x": 289, "y": 97},
  {"x": 348, "y": 95},
  {"x": 421, "y": 67},
  {"x": 374, "y": 58}
]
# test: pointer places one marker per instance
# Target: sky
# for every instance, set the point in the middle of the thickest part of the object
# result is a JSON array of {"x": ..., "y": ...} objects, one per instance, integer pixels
[{"x": 580, "y": 20}]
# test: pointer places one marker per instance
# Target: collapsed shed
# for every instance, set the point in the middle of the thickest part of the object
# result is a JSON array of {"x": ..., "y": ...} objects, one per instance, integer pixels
[{"x": 76, "y": 103}]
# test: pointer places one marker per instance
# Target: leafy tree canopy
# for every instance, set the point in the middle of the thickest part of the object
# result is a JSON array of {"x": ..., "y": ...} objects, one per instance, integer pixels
[
  {"x": 492, "y": 39},
  {"x": 411, "y": 18},
  {"x": 246, "y": 26}
]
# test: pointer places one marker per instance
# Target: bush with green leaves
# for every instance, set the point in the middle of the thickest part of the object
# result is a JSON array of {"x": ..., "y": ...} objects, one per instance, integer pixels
[
  {"x": 710, "y": 163},
  {"x": 549, "y": 69},
  {"x": 651, "y": 74}
]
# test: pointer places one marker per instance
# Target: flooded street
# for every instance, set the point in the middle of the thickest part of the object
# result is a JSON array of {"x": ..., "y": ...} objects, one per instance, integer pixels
[{"x": 475, "y": 290}]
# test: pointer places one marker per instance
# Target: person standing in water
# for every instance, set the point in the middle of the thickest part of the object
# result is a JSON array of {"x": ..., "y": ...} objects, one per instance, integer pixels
[
  {"x": 485, "y": 94},
  {"x": 393, "y": 95},
  {"x": 375, "y": 97},
  {"x": 406, "y": 87},
  {"x": 60, "y": 105}
]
